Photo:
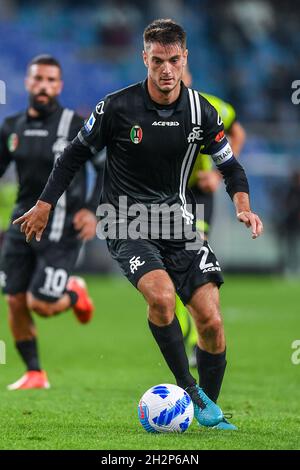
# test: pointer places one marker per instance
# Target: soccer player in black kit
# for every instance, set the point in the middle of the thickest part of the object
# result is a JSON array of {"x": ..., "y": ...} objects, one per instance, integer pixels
[
  {"x": 153, "y": 131},
  {"x": 36, "y": 275}
]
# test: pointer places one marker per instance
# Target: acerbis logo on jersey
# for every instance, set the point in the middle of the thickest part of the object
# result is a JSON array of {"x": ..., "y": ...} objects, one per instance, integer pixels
[
  {"x": 36, "y": 133},
  {"x": 195, "y": 134},
  {"x": 165, "y": 123},
  {"x": 136, "y": 134}
]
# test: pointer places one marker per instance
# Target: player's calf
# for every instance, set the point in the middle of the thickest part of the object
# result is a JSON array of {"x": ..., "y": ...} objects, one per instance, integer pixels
[
  {"x": 211, "y": 333},
  {"x": 19, "y": 318}
]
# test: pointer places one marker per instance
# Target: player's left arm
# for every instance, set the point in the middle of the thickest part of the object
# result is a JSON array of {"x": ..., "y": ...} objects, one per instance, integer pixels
[
  {"x": 84, "y": 220},
  {"x": 217, "y": 145}
]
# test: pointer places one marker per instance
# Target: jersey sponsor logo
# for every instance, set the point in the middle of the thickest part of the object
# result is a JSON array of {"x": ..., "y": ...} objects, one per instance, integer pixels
[
  {"x": 195, "y": 134},
  {"x": 36, "y": 133},
  {"x": 135, "y": 262},
  {"x": 136, "y": 134},
  {"x": 165, "y": 123},
  {"x": 12, "y": 142},
  {"x": 90, "y": 123},
  {"x": 220, "y": 136},
  {"x": 99, "y": 107},
  {"x": 223, "y": 155}
]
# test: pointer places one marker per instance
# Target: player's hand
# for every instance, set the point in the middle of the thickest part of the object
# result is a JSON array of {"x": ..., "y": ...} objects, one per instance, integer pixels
[
  {"x": 251, "y": 220},
  {"x": 34, "y": 221},
  {"x": 208, "y": 180},
  {"x": 85, "y": 223}
]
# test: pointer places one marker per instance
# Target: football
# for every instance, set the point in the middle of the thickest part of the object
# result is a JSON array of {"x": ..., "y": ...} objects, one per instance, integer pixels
[{"x": 165, "y": 408}]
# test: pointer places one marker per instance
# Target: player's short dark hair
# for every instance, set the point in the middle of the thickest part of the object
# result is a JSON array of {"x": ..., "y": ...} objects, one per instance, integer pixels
[
  {"x": 165, "y": 32},
  {"x": 44, "y": 59}
]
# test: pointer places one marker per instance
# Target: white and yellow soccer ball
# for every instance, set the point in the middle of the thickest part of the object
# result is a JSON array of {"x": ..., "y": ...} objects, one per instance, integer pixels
[{"x": 165, "y": 408}]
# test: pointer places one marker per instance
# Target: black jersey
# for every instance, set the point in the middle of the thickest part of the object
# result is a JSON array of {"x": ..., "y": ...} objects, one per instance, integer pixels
[
  {"x": 150, "y": 153},
  {"x": 34, "y": 144}
]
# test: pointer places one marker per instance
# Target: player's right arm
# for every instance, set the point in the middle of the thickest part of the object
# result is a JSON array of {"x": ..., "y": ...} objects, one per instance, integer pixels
[
  {"x": 91, "y": 139},
  {"x": 5, "y": 156}
]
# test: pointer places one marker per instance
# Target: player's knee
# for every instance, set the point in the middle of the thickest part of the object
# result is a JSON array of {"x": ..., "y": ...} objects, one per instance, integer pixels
[
  {"x": 162, "y": 302},
  {"x": 16, "y": 303},
  {"x": 213, "y": 326}
]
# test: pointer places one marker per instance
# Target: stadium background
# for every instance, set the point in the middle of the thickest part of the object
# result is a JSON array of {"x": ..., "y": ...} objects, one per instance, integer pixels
[{"x": 247, "y": 53}]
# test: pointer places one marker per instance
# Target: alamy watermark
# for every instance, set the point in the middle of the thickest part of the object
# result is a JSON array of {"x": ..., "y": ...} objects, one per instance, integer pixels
[
  {"x": 2, "y": 352},
  {"x": 2, "y": 92},
  {"x": 150, "y": 221},
  {"x": 295, "y": 357},
  {"x": 296, "y": 94}
]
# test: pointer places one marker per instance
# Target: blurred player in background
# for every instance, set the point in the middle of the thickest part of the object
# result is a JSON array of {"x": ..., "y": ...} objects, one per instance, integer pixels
[
  {"x": 35, "y": 276},
  {"x": 203, "y": 183}
]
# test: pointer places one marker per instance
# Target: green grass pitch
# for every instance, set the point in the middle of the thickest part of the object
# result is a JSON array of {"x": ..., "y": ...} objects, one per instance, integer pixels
[{"x": 99, "y": 371}]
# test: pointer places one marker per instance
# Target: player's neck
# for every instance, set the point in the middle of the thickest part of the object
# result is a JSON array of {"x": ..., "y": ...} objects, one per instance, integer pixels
[
  {"x": 163, "y": 98},
  {"x": 43, "y": 112},
  {"x": 33, "y": 113}
]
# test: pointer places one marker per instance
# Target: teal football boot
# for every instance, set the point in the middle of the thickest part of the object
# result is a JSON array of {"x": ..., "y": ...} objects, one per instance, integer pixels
[
  {"x": 225, "y": 425},
  {"x": 206, "y": 412}
]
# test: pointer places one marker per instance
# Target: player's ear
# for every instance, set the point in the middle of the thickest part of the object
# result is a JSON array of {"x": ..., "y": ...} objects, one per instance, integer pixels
[
  {"x": 26, "y": 84},
  {"x": 60, "y": 87},
  {"x": 185, "y": 56},
  {"x": 145, "y": 59}
]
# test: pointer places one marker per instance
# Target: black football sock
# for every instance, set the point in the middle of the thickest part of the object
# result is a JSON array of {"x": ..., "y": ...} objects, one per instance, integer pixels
[
  {"x": 29, "y": 353},
  {"x": 73, "y": 296},
  {"x": 211, "y": 368},
  {"x": 170, "y": 341}
]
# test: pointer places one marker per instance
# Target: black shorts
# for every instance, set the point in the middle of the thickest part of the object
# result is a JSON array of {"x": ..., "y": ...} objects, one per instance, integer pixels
[
  {"x": 41, "y": 268},
  {"x": 188, "y": 269}
]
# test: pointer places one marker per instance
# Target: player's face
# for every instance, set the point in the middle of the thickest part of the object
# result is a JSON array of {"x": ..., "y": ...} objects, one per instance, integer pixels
[
  {"x": 165, "y": 65},
  {"x": 43, "y": 82}
]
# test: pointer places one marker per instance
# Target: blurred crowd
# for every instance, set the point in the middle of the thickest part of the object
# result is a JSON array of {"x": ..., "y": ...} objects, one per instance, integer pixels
[{"x": 246, "y": 52}]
